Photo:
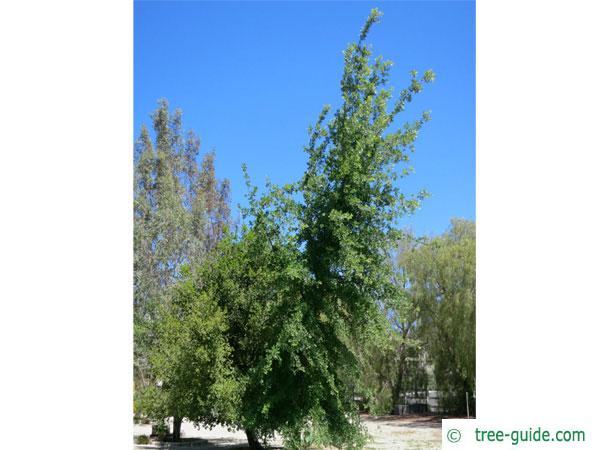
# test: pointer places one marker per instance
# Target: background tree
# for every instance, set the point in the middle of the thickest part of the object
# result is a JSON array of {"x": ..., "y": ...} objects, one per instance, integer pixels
[
  {"x": 180, "y": 213},
  {"x": 431, "y": 323},
  {"x": 387, "y": 365},
  {"x": 190, "y": 358},
  {"x": 441, "y": 274}
]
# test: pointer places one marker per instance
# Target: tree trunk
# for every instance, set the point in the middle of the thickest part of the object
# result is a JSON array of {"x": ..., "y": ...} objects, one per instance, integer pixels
[
  {"x": 399, "y": 381},
  {"x": 398, "y": 385},
  {"x": 177, "y": 428},
  {"x": 253, "y": 443}
]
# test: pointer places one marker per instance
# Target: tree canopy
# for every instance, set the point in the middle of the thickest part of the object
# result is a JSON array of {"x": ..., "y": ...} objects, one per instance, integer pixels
[
  {"x": 181, "y": 211},
  {"x": 431, "y": 339},
  {"x": 441, "y": 272}
]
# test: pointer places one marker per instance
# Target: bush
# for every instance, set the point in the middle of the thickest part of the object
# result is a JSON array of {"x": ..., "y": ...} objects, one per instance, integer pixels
[
  {"x": 160, "y": 430},
  {"x": 143, "y": 439}
]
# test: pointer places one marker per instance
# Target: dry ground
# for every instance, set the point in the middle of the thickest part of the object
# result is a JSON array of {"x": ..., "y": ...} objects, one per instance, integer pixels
[
  {"x": 404, "y": 433},
  {"x": 387, "y": 432}
]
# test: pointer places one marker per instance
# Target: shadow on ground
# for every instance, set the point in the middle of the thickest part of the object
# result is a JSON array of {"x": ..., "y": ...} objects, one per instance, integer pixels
[
  {"x": 200, "y": 444},
  {"x": 407, "y": 421},
  {"x": 386, "y": 433}
]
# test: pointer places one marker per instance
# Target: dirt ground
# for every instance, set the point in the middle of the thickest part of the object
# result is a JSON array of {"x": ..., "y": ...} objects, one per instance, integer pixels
[
  {"x": 404, "y": 433},
  {"x": 387, "y": 432}
]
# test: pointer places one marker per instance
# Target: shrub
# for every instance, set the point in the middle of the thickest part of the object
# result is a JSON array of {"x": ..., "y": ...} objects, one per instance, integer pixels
[
  {"x": 143, "y": 439},
  {"x": 160, "y": 430}
]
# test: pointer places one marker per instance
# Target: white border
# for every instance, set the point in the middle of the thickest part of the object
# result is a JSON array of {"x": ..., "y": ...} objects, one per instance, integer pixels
[{"x": 65, "y": 181}]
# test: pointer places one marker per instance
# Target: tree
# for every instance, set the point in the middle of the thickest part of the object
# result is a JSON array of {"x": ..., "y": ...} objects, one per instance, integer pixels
[
  {"x": 386, "y": 367},
  {"x": 308, "y": 273},
  {"x": 180, "y": 213},
  {"x": 441, "y": 274},
  {"x": 350, "y": 203},
  {"x": 190, "y": 359},
  {"x": 431, "y": 320}
]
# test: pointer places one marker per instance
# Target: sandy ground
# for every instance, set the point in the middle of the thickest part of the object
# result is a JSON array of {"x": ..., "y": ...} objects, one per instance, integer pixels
[
  {"x": 404, "y": 433},
  {"x": 387, "y": 432}
]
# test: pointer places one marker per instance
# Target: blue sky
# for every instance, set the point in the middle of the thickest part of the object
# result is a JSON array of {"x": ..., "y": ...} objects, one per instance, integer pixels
[{"x": 251, "y": 77}]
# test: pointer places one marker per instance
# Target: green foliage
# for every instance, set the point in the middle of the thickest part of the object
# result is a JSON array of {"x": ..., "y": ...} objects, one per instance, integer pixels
[
  {"x": 160, "y": 430},
  {"x": 180, "y": 213},
  {"x": 388, "y": 370},
  {"x": 431, "y": 323},
  {"x": 442, "y": 282},
  {"x": 142, "y": 440},
  {"x": 180, "y": 209},
  {"x": 190, "y": 360},
  {"x": 345, "y": 220}
]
